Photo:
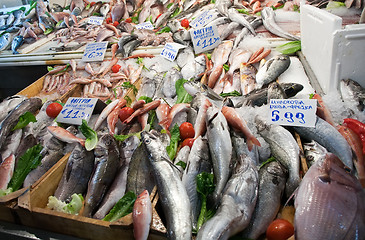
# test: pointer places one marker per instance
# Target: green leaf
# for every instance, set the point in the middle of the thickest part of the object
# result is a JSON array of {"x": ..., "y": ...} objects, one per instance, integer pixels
[
  {"x": 108, "y": 101},
  {"x": 165, "y": 29},
  {"x": 130, "y": 85},
  {"x": 209, "y": 56},
  {"x": 121, "y": 138},
  {"x": 75, "y": 204},
  {"x": 296, "y": 8},
  {"x": 204, "y": 186},
  {"x": 49, "y": 68},
  {"x": 152, "y": 116},
  {"x": 97, "y": 14},
  {"x": 139, "y": 60},
  {"x": 27, "y": 162},
  {"x": 48, "y": 31},
  {"x": 334, "y": 4},
  {"x": 90, "y": 134},
  {"x": 146, "y": 99},
  {"x": 4, "y": 192},
  {"x": 176, "y": 12},
  {"x": 128, "y": 99},
  {"x": 244, "y": 11},
  {"x": 174, "y": 142},
  {"x": 225, "y": 67},
  {"x": 88, "y": 6},
  {"x": 67, "y": 7},
  {"x": 289, "y": 48},
  {"x": 181, "y": 164},
  {"x": 182, "y": 95},
  {"x": 271, "y": 159},
  {"x": 122, "y": 208},
  {"x": 24, "y": 120},
  {"x": 33, "y": 4},
  {"x": 231, "y": 94}
]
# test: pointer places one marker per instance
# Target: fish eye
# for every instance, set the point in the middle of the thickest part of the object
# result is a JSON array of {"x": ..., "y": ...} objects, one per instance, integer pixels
[
  {"x": 147, "y": 141},
  {"x": 347, "y": 169}
]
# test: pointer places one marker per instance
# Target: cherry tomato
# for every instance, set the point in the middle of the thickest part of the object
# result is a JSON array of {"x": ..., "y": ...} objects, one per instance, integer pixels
[
  {"x": 116, "y": 68},
  {"x": 115, "y": 23},
  {"x": 188, "y": 142},
  {"x": 53, "y": 109},
  {"x": 128, "y": 20},
  {"x": 184, "y": 23},
  {"x": 109, "y": 20},
  {"x": 125, "y": 112},
  {"x": 92, "y": 4},
  {"x": 186, "y": 130},
  {"x": 279, "y": 229}
]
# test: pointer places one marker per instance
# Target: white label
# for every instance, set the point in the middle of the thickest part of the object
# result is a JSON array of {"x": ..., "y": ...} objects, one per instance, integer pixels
[
  {"x": 293, "y": 112},
  {"x": 202, "y": 20},
  {"x": 77, "y": 109},
  {"x": 95, "y": 52},
  {"x": 145, "y": 25},
  {"x": 170, "y": 51},
  {"x": 205, "y": 38},
  {"x": 95, "y": 20}
]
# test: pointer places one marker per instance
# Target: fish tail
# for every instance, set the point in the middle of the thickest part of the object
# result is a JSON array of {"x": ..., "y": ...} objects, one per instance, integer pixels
[{"x": 252, "y": 141}]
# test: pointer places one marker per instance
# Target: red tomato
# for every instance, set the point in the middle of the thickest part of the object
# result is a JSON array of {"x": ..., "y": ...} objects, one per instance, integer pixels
[
  {"x": 53, "y": 109},
  {"x": 116, "y": 68},
  {"x": 185, "y": 23},
  {"x": 279, "y": 229},
  {"x": 115, "y": 23},
  {"x": 188, "y": 142},
  {"x": 128, "y": 20},
  {"x": 125, "y": 112},
  {"x": 186, "y": 130},
  {"x": 109, "y": 20}
]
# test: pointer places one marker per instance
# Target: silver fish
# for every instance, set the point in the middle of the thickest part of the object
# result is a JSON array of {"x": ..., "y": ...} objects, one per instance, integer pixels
[
  {"x": 76, "y": 174},
  {"x": 284, "y": 148},
  {"x": 39, "y": 128},
  {"x": 174, "y": 199},
  {"x": 11, "y": 143},
  {"x": 275, "y": 91},
  {"x": 182, "y": 156},
  {"x": 271, "y": 70},
  {"x": 314, "y": 152},
  {"x": 10, "y": 19},
  {"x": 195, "y": 88},
  {"x": 237, "y": 204},
  {"x": 18, "y": 22},
  {"x": 106, "y": 165},
  {"x": 352, "y": 94},
  {"x": 16, "y": 43},
  {"x": 240, "y": 147},
  {"x": 255, "y": 24},
  {"x": 330, "y": 203},
  {"x": 235, "y": 16},
  {"x": 272, "y": 178},
  {"x": 104, "y": 9},
  {"x": 9, "y": 104},
  {"x": 222, "y": 6},
  {"x": 5, "y": 41},
  {"x": 328, "y": 136},
  {"x": 129, "y": 47},
  {"x": 220, "y": 147}
]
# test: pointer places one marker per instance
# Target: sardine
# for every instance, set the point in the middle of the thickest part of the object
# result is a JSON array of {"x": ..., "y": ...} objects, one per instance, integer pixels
[
  {"x": 271, "y": 70},
  {"x": 284, "y": 148},
  {"x": 142, "y": 216},
  {"x": 174, "y": 199},
  {"x": 76, "y": 174},
  {"x": 106, "y": 165},
  {"x": 16, "y": 43},
  {"x": 352, "y": 94}
]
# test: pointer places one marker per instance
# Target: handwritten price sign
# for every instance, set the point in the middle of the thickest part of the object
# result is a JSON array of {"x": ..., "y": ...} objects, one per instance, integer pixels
[
  {"x": 205, "y": 38},
  {"x": 95, "y": 52},
  {"x": 170, "y": 51},
  {"x": 95, "y": 20},
  {"x": 145, "y": 25},
  {"x": 293, "y": 112},
  {"x": 203, "y": 19},
  {"x": 77, "y": 109}
]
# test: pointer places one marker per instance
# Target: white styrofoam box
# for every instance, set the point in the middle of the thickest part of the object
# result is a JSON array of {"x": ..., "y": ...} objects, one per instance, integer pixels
[{"x": 332, "y": 52}]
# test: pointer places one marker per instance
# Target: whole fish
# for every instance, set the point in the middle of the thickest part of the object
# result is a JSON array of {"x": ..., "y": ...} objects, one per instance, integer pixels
[
  {"x": 284, "y": 148},
  {"x": 16, "y": 43},
  {"x": 328, "y": 136},
  {"x": 168, "y": 88},
  {"x": 220, "y": 147},
  {"x": 76, "y": 175},
  {"x": 235, "y": 16},
  {"x": 64, "y": 135},
  {"x": 6, "y": 171},
  {"x": 272, "y": 178},
  {"x": 106, "y": 111},
  {"x": 118, "y": 11},
  {"x": 106, "y": 165},
  {"x": 219, "y": 57},
  {"x": 271, "y": 70},
  {"x": 11, "y": 143},
  {"x": 5, "y": 41},
  {"x": 240, "y": 147},
  {"x": 39, "y": 128},
  {"x": 330, "y": 203},
  {"x": 182, "y": 156},
  {"x": 123, "y": 40},
  {"x": 28, "y": 105},
  {"x": 18, "y": 18},
  {"x": 237, "y": 204},
  {"x": 142, "y": 216},
  {"x": 104, "y": 9},
  {"x": 248, "y": 78},
  {"x": 174, "y": 199},
  {"x": 275, "y": 91},
  {"x": 352, "y": 94}
]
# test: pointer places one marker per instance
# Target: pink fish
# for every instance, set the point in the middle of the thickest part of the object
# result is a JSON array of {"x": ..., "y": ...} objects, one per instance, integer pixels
[
  {"x": 162, "y": 112},
  {"x": 142, "y": 216},
  {"x": 6, "y": 171},
  {"x": 112, "y": 118},
  {"x": 177, "y": 108},
  {"x": 64, "y": 135},
  {"x": 147, "y": 107},
  {"x": 106, "y": 111},
  {"x": 200, "y": 124}
]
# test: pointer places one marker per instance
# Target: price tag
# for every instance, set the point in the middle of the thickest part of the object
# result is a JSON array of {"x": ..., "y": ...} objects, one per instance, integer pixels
[
  {"x": 94, "y": 52},
  {"x": 95, "y": 20},
  {"x": 170, "y": 51},
  {"x": 203, "y": 19},
  {"x": 77, "y": 109},
  {"x": 293, "y": 112},
  {"x": 205, "y": 38},
  {"x": 145, "y": 25}
]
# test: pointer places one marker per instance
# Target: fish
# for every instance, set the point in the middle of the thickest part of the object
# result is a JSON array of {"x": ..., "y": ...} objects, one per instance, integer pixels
[
  {"x": 18, "y": 21},
  {"x": 10, "y": 19},
  {"x": 272, "y": 69},
  {"x": 106, "y": 165},
  {"x": 6, "y": 171},
  {"x": 11, "y": 143},
  {"x": 104, "y": 9},
  {"x": 328, "y": 136},
  {"x": 9, "y": 104},
  {"x": 106, "y": 111},
  {"x": 255, "y": 24},
  {"x": 174, "y": 199},
  {"x": 27, "y": 105},
  {"x": 329, "y": 196},
  {"x": 240, "y": 147},
  {"x": 142, "y": 216},
  {"x": 5, "y": 41},
  {"x": 248, "y": 78},
  {"x": 16, "y": 43},
  {"x": 168, "y": 87},
  {"x": 129, "y": 47},
  {"x": 314, "y": 152},
  {"x": 200, "y": 126},
  {"x": 219, "y": 57},
  {"x": 272, "y": 178},
  {"x": 162, "y": 19},
  {"x": 237, "y": 204},
  {"x": 275, "y": 91},
  {"x": 222, "y": 6},
  {"x": 26, "y": 142},
  {"x": 174, "y": 112},
  {"x": 104, "y": 34},
  {"x": 235, "y": 16},
  {"x": 284, "y": 148},
  {"x": 220, "y": 146},
  {"x": 353, "y": 95},
  {"x": 123, "y": 40},
  {"x": 268, "y": 17},
  {"x": 39, "y": 128},
  {"x": 198, "y": 162},
  {"x": 64, "y": 135},
  {"x": 194, "y": 88},
  {"x": 182, "y": 157}
]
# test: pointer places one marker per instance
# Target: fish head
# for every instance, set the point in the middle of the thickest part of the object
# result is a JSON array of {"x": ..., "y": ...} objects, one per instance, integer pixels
[
  {"x": 276, "y": 169},
  {"x": 261, "y": 124},
  {"x": 105, "y": 144},
  {"x": 153, "y": 145},
  {"x": 212, "y": 113}
]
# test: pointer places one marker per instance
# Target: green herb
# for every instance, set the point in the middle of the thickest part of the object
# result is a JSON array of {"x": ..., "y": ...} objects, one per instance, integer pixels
[
  {"x": 165, "y": 29},
  {"x": 244, "y": 11},
  {"x": 289, "y": 48},
  {"x": 271, "y": 159},
  {"x": 212, "y": 1},
  {"x": 334, "y": 4},
  {"x": 128, "y": 99},
  {"x": 182, "y": 95},
  {"x": 115, "y": 92},
  {"x": 131, "y": 86},
  {"x": 88, "y": 6},
  {"x": 169, "y": 5},
  {"x": 32, "y": 5},
  {"x": 258, "y": 14},
  {"x": 311, "y": 96},
  {"x": 96, "y": 14},
  {"x": 122, "y": 208},
  {"x": 204, "y": 186},
  {"x": 209, "y": 56},
  {"x": 108, "y": 101},
  {"x": 231, "y": 94},
  {"x": 121, "y": 138},
  {"x": 174, "y": 142},
  {"x": 90, "y": 134},
  {"x": 135, "y": 18},
  {"x": 139, "y": 60},
  {"x": 296, "y": 8},
  {"x": 274, "y": 8},
  {"x": 27, "y": 162},
  {"x": 67, "y": 7},
  {"x": 181, "y": 164},
  {"x": 48, "y": 31},
  {"x": 22, "y": 9},
  {"x": 152, "y": 116},
  {"x": 146, "y": 99},
  {"x": 4, "y": 192},
  {"x": 24, "y": 120},
  {"x": 59, "y": 23},
  {"x": 225, "y": 67},
  {"x": 73, "y": 207},
  {"x": 176, "y": 12}
]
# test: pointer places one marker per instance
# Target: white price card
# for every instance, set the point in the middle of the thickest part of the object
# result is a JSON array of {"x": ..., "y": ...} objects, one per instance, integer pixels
[
  {"x": 145, "y": 25},
  {"x": 205, "y": 38},
  {"x": 293, "y": 112},
  {"x": 95, "y": 52},
  {"x": 95, "y": 20},
  {"x": 77, "y": 109},
  {"x": 203, "y": 19},
  {"x": 170, "y": 51}
]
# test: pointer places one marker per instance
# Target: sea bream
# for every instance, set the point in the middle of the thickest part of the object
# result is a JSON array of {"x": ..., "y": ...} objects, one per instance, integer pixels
[{"x": 271, "y": 70}]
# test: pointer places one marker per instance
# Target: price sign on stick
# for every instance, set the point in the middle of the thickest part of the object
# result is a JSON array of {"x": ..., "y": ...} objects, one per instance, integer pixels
[
  {"x": 145, "y": 25},
  {"x": 205, "y": 38},
  {"x": 77, "y": 109},
  {"x": 95, "y": 52},
  {"x": 293, "y": 112},
  {"x": 170, "y": 51},
  {"x": 95, "y": 20}
]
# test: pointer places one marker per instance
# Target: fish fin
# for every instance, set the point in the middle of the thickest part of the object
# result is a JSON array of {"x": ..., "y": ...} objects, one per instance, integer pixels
[
  {"x": 294, "y": 194},
  {"x": 171, "y": 164}
]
